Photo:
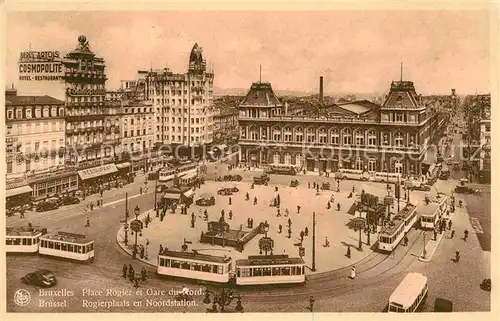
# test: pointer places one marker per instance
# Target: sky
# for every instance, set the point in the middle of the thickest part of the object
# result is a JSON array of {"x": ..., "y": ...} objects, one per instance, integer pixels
[{"x": 355, "y": 51}]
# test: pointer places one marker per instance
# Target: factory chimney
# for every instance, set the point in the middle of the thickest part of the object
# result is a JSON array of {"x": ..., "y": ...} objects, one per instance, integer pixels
[{"x": 321, "y": 90}]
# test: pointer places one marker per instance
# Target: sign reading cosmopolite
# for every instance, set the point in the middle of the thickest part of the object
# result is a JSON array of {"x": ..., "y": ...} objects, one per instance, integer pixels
[{"x": 40, "y": 66}]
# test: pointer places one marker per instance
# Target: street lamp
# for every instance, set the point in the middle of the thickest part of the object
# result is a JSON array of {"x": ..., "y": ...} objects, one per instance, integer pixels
[
  {"x": 266, "y": 243},
  {"x": 360, "y": 245},
  {"x": 222, "y": 300},
  {"x": 424, "y": 253},
  {"x": 136, "y": 227}
]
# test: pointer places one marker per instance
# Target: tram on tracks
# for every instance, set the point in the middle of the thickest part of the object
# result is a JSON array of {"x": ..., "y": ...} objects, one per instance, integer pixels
[
  {"x": 255, "y": 270},
  {"x": 270, "y": 269},
  {"x": 430, "y": 213},
  {"x": 167, "y": 174},
  {"x": 410, "y": 216},
  {"x": 391, "y": 234},
  {"x": 65, "y": 245},
  {"x": 193, "y": 265},
  {"x": 23, "y": 239}
]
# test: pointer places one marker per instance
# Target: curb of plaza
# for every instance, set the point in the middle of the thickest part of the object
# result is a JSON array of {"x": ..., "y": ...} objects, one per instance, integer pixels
[{"x": 120, "y": 233}]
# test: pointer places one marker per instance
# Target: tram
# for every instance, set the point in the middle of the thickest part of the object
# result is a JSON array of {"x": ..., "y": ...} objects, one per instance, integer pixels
[
  {"x": 23, "y": 239},
  {"x": 167, "y": 174},
  {"x": 193, "y": 265},
  {"x": 67, "y": 245},
  {"x": 429, "y": 216},
  {"x": 390, "y": 236},
  {"x": 410, "y": 216},
  {"x": 270, "y": 269}
]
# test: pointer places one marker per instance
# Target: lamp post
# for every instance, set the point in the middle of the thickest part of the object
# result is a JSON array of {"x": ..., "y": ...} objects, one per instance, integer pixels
[
  {"x": 266, "y": 243},
  {"x": 156, "y": 191},
  {"x": 221, "y": 300},
  {"x": 126, "y": 207},
  {"x": 125, "y": 229},
  {"x": 136, "y": 227},
  {"x": 360, "y": 227},
  {"x": 313, "y": 268},
  {"x": 424, "y": 253}
]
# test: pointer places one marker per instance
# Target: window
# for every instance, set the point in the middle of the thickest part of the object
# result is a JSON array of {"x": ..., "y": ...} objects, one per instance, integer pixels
[
  {"x": 311, "y": 135},
  {"x": 46, "y": 112},
  {"x": 299, "y": 135},
  {"x": 322, "y": 136},
  {"x": 10, "y": 114},
  {"x": 372, "y": 165},
  {"x": 19, "y": 113},
  {"x": 288, "y": 159},
  {"x": 276, "y": 158},
  {"x": 360, "y": 138},
  {"x": 276, "y": 134},
  {"x": 399, "y": 117},
  {"x": 29, "y": 112},
  {"x": 335, "y": 137},
  {"x": 372, "y": 138},
  {"x": 38, "y": 112},
  {"x": 398, "y": 140},
  {"x": 398, "y": 167},
  {"x": 298, "y": 160},
  {"x": 346, "y": 137}
]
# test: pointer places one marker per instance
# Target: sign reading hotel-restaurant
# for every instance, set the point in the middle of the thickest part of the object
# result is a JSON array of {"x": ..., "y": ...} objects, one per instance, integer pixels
[{"x": 40, "y": 66}]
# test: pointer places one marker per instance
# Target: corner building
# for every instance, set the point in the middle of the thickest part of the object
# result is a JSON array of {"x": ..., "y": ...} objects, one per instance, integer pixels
[
  {"x": 358, "y": 135},
  {"x": 182, "y": 103}
]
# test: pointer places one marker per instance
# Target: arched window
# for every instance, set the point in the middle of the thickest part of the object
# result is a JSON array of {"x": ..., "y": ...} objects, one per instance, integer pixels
[
  {"x": 19, "y": 113},
  {"x": 29, "y": 112},
  {"x": 288, "y": 134},
  {"x": 398, "y": 140},
  {"x": 276, "y": 134},
  {"x": 322, "y": 136},
  {"x": 372, "y": 165},
  {"x": 243, "y": 132},
  {"x": 46, "y": 112},
  {"x": 53, "y": 112},
  {"x": 288, "y": 158},
  {"x": 254, "y": 133},
  {"x": 335, "y": 137},
  {"x": 359, "y": 164},
  {"x": 385, "y": 138},
  {"x": 61, "y": 112},
  {"x": 398, "y": 167},
  {"x": 412, "y": 139},
  {"x": 360, "y": 137},
  {"x": 311, "y": 135},
  {"x": 276, "y": 158},
  {"x": 372, "y": 138},
  {"x": 346, "y": 137},
  {"x": 299, "y": 134}
]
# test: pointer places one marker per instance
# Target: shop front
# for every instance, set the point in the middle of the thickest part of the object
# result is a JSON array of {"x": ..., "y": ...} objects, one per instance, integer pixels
[
  {"x": 93, "y": 180},
  {"x": 53, "y": 183},
  {"x": 17, "y": 194}
]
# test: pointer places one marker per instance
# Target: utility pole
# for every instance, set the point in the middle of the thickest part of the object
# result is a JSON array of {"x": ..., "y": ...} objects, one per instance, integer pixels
[
  {"x": 126, "y": 207},
  {"x": 314, "y": 243}
]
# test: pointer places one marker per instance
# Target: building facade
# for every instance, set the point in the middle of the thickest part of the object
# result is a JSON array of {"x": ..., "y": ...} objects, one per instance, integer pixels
[
  {"x": 85, "y": 80},
  {"x": 226, "y": 124},
  {"x": 359, "y": 135},
  {"x": 35, "y": 141},
  {"x": 182, "y": 103}
]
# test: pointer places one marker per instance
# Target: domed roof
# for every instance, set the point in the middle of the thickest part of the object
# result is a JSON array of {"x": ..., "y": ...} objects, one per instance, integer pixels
[{"x": 196, "y": 62}]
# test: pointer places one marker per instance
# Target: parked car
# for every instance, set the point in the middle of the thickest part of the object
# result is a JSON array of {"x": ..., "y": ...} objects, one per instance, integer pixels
[
  {"x": 224, "y": 191},
  {"x": 229, "y": 178},
  {"x": 466, "y": 190},
  {"x": 47, "y": 206},
  {"x": 294, "y": 183},
  {"x": 68, "y": 200},
  {"x": 42, "y": 277},
  {"x": 232, "y": 188},
  {"x": 421, "y": 187},
  {"x": 261, "y": 180},
  {"x": 205, "y": 200}
]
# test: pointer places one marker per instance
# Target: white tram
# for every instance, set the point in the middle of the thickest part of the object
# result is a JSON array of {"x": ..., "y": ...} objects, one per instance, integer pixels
[
  {"x": 270, "y": 269},
  {"x": 23, "y": 239},
  {"x": 390, "y": 236},
  {"x": 193, "y": 265},
  {"x": 167, "y": 174},
  {"x": 410, "y": 216},
  {"x": 429, "y": 216},
  {"x": 67, "y": 245}
]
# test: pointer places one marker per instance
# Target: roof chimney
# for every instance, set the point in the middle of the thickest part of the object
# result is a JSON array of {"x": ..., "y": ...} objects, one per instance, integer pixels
[{"x": 321, "y": 90}]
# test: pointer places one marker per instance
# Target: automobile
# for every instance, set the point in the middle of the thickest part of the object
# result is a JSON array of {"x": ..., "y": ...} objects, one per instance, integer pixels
[
  {"x": 68, "y": 200},
  {"x": 294, "y": 183},
  {"x": 237, "y": 178},
  {"x": 232, "y": 188},
  {"x": 261, "y": 180},
  {"x": 205, "y": 199},
  {"x": 230, "y": 178},
  {"x": 421, "y": 187},
  {"x": 466, "y": 190},
  {"x": 47, "y": 206},
  {"x": 224, "y": 191},
  {"x": 42, "y": 277}
]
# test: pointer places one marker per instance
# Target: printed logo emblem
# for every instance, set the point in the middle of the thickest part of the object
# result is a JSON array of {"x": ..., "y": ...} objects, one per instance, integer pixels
[{"x": 22, "y": 297}]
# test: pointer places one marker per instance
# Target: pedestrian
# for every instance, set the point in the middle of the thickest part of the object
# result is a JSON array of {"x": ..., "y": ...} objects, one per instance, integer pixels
[
  {"x": 405, "y": 239},
  {"x": 131, "y": 273},
  {"x": 306, "y": 231},
  {"x": 286, "y": 212},
  {"x": 230, "y": 214},
  {"x": 289, "y": 232},
  {"x": 435, "y": 235},
  {"x": 449, "y": 224},
  {"x": 301, "y": 236},
  {"x": 251, "y": 223},
  {"x": 88, "y": 222},
  {"x": 247, "y": 196},
  {"x": 280, "y": 227},
  {"x": 279, "y": 213},
  {"x": 255, "y": 201},
  {"x": 457, "y": 256},
  {"x": 124, "y": 270},
  {"x": 100, "y": 200},
  {"x": 308, "y": 184},
  {"x": 314, "y": 185},
  {"x": 466, "y": 235},
  {"x": 452, "y": 234},
  {"x": 22, "y": 214},
  {"x": 353, "y": 189},
  {"x": 143, "y": 274},
  {"x": 353, "y": 272},
  {"x": 91, "y": 206},
  {"x": 338, "y": 206},
  {"x": 298, "y": 209},
  {"x": 136, "y": 278},
  {"x": 229, "y": 200},
  {"x": 327, "y": 243},
  {"x": 328, "y": 206},
  {"x": 348, "y": 254},
  {"x": 248, "y": 222},
  {"x": 140, "y": 190},
  {"x": 289, "y": 222}
]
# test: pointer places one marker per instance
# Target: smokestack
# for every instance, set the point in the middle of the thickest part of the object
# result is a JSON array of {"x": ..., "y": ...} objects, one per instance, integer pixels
[{"x": 321, "y": 90}]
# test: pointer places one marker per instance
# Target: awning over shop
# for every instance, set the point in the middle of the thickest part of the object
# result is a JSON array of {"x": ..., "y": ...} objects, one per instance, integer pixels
[
  {"x": 18, "y": 191},
  {"x": 189, "y": 193},
  {"x": 123, "y": 165},
  {"x": 97, "y": 171},
  {"x": 172, "y": 196}
]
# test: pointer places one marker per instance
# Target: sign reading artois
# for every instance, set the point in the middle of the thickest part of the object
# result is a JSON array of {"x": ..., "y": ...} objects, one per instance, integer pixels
[{"x": 40, "y": 66}]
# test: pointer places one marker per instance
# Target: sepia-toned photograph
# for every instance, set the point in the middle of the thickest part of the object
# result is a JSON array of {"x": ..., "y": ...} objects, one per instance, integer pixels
[{"x": 230, "y": 161}]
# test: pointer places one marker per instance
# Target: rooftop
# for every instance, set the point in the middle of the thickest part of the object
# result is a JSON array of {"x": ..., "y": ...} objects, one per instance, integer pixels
[
  {"x": 11, "y": 100},
  {"x": 196, "y": 256},
  {"x": 261, "y": 94},
  {"x": 392, "y": 227},
  {"x": 23, "y": 231},
  {"x": 67, "y": 237},
  {"x": 269, "y": 260},
  {"x": 359, "y": 107}
]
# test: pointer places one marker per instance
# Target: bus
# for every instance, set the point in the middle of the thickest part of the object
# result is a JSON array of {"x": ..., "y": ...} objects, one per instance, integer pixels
[
  {"x": 410, "y": 294},
  {"x": 270, "y": 269},
  {"x": 23, "y": 239},
  {"x": 282, "y": 169},
  {"x": 68, "y": 246}
]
